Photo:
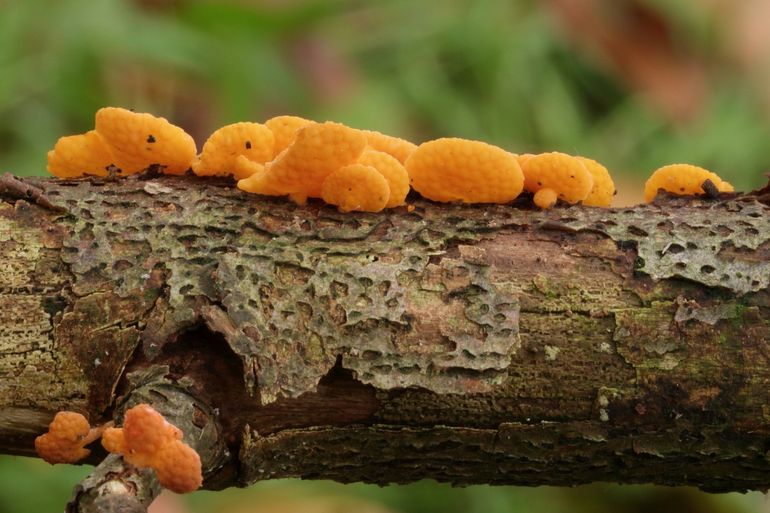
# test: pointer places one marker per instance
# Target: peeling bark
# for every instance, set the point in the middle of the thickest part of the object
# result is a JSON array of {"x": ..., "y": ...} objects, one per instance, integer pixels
[{"x": 471, "y": 344}]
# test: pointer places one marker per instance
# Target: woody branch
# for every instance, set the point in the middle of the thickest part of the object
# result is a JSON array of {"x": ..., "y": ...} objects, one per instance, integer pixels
[{"x": 471, "y": 344}]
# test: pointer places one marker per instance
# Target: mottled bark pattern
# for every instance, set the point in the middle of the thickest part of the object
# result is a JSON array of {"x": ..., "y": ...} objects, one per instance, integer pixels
[{"x": 474, "y": 344}]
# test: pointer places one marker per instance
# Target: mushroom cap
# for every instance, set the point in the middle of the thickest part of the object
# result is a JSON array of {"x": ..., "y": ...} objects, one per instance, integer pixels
[
  {"x": 318, "y": 150},
  {"x": 244, "y": 168},
  {"x": 79, "y": 155},
  {"x": 140, "y": 140},
  {"x": 563, "y": 173},
  {"x": 148, "y": 440},
  {"x": 64, "y": 441},
  {"x": 146, "y": 430},
  {"x": 284, "y": 130},
  {"x": 356, "y": 187},
  {"x": 253, "y": 178},
  {"x": 522, "y": 158},
  {"x": 545, "y": 198},
  {"x": 178, "y": 467},
  {"x": 453, "y": 169},
  {"x": 393, "y": 146},
  {"x": 604, "y": 188},
  {"x": 682, "y": 179},
  {"x": 114, "y": 441},
  {"x": 393, "y": 171},
  {"x": 220, "y": 151}
]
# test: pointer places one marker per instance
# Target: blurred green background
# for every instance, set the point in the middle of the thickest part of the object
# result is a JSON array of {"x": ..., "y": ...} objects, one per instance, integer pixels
[
  {"x": 633, "y": 83},
  {"x": 32, "y": 486}
]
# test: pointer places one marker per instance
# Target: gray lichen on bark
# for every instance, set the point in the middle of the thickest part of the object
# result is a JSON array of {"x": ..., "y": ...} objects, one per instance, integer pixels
[{"x": 298, "y": 291}]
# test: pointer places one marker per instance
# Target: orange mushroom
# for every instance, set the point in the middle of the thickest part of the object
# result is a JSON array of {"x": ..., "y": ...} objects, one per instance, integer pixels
[
  {"x": 139, "y": 141},
  {"x": 682, "y": 179},
  {"x": 356, "y": 187},
  {"x": 299, "y": 171},
  {"x": 393, "y": 146},
  {"x": 603, "y": 189},
  {"x": 393, "y": 171},
  {"x": 149, "y": 440},
  {"x": 284, "y": 130},
  {"x": 79, "y": 155},
  {"x": 566, "y": 176},
  {"x": 453, "y": 169},
  {"x": 226, "y": 144},
  {"x": 67, "y": 436}
]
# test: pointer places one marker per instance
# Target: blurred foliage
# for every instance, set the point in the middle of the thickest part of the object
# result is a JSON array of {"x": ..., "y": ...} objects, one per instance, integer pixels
[
  {"x": 496, "y": 70},
  {"x": 33, "y": 486}
]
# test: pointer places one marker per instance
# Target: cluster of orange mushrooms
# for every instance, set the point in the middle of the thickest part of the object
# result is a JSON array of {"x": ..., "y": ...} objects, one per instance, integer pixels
[
  {"x": 146, "y": 440},
  {"x": 355, "y": 170}
]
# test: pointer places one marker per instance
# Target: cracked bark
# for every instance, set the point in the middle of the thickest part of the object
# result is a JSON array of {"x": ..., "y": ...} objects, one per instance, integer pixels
[{"x": 471, "y": 344}]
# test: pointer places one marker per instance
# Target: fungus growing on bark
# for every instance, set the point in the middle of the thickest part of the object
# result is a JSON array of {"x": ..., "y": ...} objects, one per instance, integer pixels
[
  {"x": 292, "y": 156},
  {"x": 299, "y": 171},
  {"x": 452, "y": 169},
  {"x": 140, "y": 140},
  {"x": 356, "y": 188},
  {"x": 682, "y": 179},
  {"x": 393, "y": 172},
  {"x": 284, "y": 130},
  {"x": 220, "y": 151},
  {"x": 603, "y": 189},
  {"x": 398, "y": 148},
  {"x": 545, "y": 198},
  {"x": 67, "y": 436},
  {"x": 148, "y": 440},
  {"x": 244, "y": 168},
  {"x": 80, "y": 155},
  {"x": 566, "y": 176}
]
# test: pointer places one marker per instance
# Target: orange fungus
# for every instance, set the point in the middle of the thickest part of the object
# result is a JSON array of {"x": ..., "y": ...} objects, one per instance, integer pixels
[
  {"x": 393, "y": 146},
  {"x": 226, "y": 144},
  {"x": 300, "y": 170},
  {"x": 140, "y": 140},
  {"x": 284, "y": 129},
  {"x": 79, "y": 155},
  {"x": 356, "y": 188},
  {"x": 564, "y": 174},
  {"x": 682, "y": 179},
  {"x": 454, "y": 169},
  {"x": 393, "y": 171},
  {"x": 603, "y": 189},
  {"x": 67, "y": 436},
  {"x": 148, "y": 440}
]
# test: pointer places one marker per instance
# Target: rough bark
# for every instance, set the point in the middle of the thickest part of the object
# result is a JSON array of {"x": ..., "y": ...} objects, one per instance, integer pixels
[{"x": 471, "y": 344}]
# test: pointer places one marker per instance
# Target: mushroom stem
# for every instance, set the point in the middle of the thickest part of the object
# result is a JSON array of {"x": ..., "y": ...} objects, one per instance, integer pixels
[{"x": 96, "y": 432}]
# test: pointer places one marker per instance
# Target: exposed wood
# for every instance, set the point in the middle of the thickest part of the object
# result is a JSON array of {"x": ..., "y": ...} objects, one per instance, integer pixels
[{"x": 471, "y": 344}]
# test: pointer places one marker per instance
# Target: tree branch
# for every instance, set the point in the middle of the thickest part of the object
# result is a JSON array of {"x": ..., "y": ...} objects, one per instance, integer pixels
[{"x": 471, "y": 344}]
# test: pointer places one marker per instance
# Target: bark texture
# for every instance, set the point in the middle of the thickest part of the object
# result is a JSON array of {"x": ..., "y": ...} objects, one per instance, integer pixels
[{"x": 471, "y": 344}]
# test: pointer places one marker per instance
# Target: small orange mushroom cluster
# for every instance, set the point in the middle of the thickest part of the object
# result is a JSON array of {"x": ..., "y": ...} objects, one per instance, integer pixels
[
  {"x": 148, "y": 440},
  {"x": 352, "y": 169},
  {"x": 128, "y": 141},
  {"x": 683, "y": 179},
  {"x": 355, "y": 170},
  {"x": 251, "y": 141},
  {"x": 67, "y": 436},
  {"x": 453, "y": 169},
  {"x": 145, "y": 440},
  {"x": 552, "y": 176}
]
